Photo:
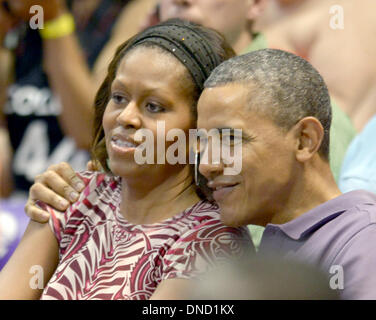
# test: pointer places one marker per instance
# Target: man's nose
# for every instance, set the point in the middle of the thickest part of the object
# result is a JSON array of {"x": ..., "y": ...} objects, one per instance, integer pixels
[
  {"x": 130, "y": 117},
  {"x": 211, "y": 169}
]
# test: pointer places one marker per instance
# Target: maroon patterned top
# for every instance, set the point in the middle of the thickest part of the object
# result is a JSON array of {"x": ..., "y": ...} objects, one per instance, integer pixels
[{"x": 102, "y": 256}]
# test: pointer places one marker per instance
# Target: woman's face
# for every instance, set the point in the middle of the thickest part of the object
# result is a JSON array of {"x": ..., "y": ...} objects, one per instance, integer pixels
[{"x": 150, "y": 87}]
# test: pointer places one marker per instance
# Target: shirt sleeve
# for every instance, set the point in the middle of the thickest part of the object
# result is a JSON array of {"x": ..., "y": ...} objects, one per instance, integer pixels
[
  {"x": 353, "y": 270},
  {"x": 203, "y": 247}
]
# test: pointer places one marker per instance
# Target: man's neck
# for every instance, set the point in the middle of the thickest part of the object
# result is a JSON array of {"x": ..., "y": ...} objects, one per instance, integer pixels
[{"x": 314, "y": 188}]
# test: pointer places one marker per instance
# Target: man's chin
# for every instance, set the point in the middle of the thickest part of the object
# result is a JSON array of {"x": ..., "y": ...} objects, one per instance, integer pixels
[{"x": 229, "y": 217}]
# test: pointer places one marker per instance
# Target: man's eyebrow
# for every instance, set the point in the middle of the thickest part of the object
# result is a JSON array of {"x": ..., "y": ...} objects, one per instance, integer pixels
[
  {"x": 245, "y": 136},
  {"x": 225, "y": 128}
]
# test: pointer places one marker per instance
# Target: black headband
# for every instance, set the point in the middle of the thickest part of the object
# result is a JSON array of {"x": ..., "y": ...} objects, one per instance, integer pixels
[{"x": 191, "y": 48}]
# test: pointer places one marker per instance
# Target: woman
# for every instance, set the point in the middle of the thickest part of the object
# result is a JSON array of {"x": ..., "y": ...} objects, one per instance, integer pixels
[{"x": 137, "y": 231}]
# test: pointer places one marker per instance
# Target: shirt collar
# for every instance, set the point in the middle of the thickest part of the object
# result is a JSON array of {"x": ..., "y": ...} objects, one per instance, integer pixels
[
  {"x": 322, "y": 214},
  {"x": 258, "y": 42}
]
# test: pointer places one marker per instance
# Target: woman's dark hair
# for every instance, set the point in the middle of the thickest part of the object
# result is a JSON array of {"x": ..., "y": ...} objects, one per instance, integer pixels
[{"x": 201, "y": 50}]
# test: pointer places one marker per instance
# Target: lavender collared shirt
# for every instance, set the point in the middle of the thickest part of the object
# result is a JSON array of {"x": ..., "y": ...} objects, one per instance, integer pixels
[{"x": 338, "y": 236}]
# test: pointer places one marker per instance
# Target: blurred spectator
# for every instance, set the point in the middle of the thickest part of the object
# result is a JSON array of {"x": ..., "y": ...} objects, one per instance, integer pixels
[
  {"x": 45, "y": 126},
  {"x": 335, "y": 37},
  {"x": 359, "y": 165},
  {"x": 276, "y": 10}
]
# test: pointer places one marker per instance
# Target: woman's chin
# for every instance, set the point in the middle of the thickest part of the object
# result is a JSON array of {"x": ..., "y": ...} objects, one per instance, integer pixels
[{"x": 125, "y": 169}]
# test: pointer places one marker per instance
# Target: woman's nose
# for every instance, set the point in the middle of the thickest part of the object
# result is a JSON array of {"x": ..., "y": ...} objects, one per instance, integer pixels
[{"x": 130, "y": 117}]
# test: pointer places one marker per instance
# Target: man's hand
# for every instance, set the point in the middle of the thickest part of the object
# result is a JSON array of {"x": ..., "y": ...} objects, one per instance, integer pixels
[
  {"x": 58, "y": 187},
  {"x": 51, "y": 8}
]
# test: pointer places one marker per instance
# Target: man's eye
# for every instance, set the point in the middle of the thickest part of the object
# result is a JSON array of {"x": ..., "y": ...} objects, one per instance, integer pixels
[
  {"x": 231, "y": 139},
  {"x": 154, "y": 108},
  {"x": 117, "y": 98}
]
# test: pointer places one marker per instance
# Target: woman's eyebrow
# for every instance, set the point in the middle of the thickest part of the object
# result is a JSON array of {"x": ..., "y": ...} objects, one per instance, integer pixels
[{"x": 118, "y": 83}]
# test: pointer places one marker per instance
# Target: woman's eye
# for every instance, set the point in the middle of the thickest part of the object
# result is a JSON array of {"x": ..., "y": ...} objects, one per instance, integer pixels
[
  {"x": 117, "y": 98},
  {"x": 154, "y": 108}
]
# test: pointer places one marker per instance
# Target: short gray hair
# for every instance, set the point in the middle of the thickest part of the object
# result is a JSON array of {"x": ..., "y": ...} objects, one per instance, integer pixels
[{"x": 284, "y": 86}]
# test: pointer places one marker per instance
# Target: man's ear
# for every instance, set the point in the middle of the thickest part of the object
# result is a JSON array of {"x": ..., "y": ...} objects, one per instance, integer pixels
[
  {"x": 309, "y": 133},
  {"x": 256, "y": 8}
]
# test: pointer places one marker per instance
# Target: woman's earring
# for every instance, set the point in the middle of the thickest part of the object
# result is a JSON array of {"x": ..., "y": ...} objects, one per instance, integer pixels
[{"x": 197, "y": 162}]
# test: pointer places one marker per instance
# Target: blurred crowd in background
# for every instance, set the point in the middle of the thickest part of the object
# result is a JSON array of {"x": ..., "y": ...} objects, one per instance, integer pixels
[{"x": 47, "y": 86}]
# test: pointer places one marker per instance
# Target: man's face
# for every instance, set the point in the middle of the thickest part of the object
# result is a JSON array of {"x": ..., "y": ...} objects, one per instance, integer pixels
[
  {"x": 226, "y": 16},
  {"x": 265, "y": 182}
]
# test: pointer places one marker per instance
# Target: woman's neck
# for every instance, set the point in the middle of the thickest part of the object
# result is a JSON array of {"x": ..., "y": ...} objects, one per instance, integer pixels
[{"x": 147, "y": 202}]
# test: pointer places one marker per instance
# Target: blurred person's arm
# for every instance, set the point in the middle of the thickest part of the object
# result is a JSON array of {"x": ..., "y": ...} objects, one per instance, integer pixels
[
  {"x": 31, "y": 265},
  {"x": 70, "y": 78},
  {"x": 6, "y": 182}
]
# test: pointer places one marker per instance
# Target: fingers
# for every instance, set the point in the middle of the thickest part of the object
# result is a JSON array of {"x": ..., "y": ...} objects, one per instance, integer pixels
[
  {"x": 58, "y": 187},
  {"x": 72, "y": 182},
  {"x": 35, "y": 213},
  {"x": 39, "y": 191}
]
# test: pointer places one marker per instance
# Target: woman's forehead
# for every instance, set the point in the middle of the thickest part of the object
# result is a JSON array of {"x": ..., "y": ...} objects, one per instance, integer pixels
[
  {"x": 152, "y": 71},
  {"x": 151, "y": 52}
]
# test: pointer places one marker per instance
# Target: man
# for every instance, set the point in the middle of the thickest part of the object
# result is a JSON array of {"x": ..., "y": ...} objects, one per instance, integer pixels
[
  {"x": 282, "y": 105},
  {"x": 235, "y": 20}
]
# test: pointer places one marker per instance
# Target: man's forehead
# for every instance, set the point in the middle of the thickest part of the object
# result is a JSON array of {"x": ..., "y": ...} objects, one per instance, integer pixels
[{"x": 223, "y": 107}]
